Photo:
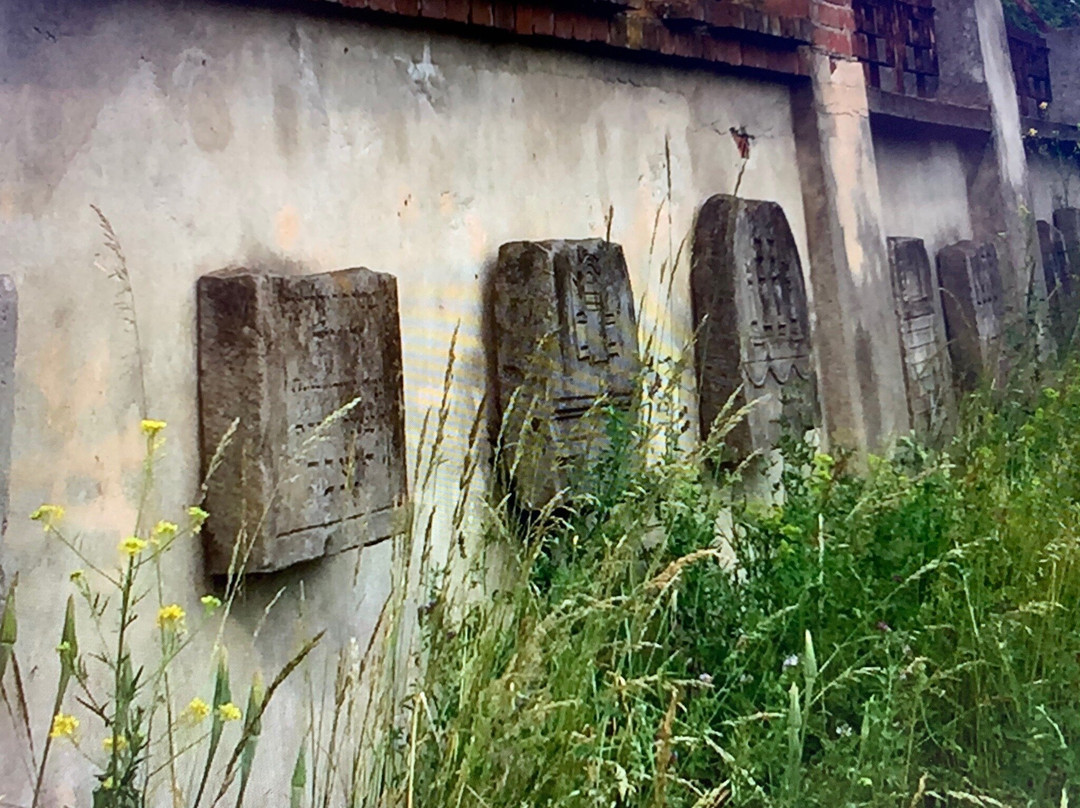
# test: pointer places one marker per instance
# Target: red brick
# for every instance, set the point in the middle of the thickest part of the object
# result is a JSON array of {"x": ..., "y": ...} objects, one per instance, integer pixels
[
  {"x": 753, "y": 56},
  {"x": 725, "y": 51},
  {"x": 523, "y": 24},
  {"x": 457, "y": 10},
  {"x": 544, "y": 22},
  {"x": 481, "y": 13},
  {"x": 382, "y": 5},
  {"x": 599, "y": 30},
  {"x": 564, "y": 24},
  {"x": 788, "y": 8},
  {"x": 833, "y": 16},
  {"x": 504, "y": 16},
  {"x": 724, "y": 15},
  {"x": 434, "y": 9},
  {"x": 784, "y": 62},
  {"x": 409, "y": 7},
  {"x": 834, "y": 42}
]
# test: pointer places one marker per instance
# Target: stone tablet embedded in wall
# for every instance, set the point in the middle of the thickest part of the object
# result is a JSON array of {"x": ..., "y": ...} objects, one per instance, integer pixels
[
  {"x": 311, "y": 366},
  {"x": 1060, "y": 291},
  {"x": 1067, "y": 220},
  {"x": 972, "y": 300},
  {"x": 565, "y": 339},
  {"x": 927, "y": 375},
  {"x": 752, "y": 319}
]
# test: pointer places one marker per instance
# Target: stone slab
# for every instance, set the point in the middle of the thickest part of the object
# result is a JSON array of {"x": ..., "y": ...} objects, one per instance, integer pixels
[
  {"x": 972, "y": 299},
  {"x": 753, "y": 330},
  {"x": 927, "y": 372},
  {"x": 1060, "y": 284},
  {"x": 311, "y": 365},
  {"x": 565, "y": 340},
  {"x": 1067, "y": 220}
]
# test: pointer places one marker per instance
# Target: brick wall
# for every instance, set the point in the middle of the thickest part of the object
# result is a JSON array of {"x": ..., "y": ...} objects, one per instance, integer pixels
[{"x": 764, "y": 35}]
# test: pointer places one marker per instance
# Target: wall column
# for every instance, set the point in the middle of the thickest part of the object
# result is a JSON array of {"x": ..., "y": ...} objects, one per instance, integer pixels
[{"x": 856, "y": 338}]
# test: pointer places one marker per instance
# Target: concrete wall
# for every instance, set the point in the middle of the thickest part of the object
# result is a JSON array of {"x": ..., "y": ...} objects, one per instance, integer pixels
[
  {"x": 213, "y": 135},
  {"x": 1055, "y": 183},
  {"x": 924, "y": 191}
]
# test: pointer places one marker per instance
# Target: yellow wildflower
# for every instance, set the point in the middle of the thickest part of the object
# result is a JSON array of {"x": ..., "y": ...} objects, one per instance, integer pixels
[
  {"x": 48, "y": 515},
  {"x": 197, "y": 516},
  {"x": 121, "y": 743},
  {"x": 1045, "y": 105},
  {"x": 229, "y": 712},
  {"x": 107, "y": 783},
  {"x": 132, "y": 546},
  {"x": 171, "y": 617},
  {"x": 164, "y": 532},
  {"x": 1033, "y": 132},
  {"x": 196, "y": 710},
  {"x": 151, "y": 428},
  {"x": 210, "y": 604},
  {"x": 63, "y": 726},
  {"x": 76, "y": 576}
]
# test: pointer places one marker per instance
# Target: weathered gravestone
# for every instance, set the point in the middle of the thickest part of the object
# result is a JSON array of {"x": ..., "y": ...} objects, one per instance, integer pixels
[
  {"x": 311, "y": 365},
  {"x": 927, "y": 375},
  {"x": 972, "y": 299},
  {"x": 1059, "y": 283},
  {"x": 750, "y": 311},
  {"x": 1067, "y": 220},
  {"x": 566, "y": 346},
  {"x": 9, "y": 321}
]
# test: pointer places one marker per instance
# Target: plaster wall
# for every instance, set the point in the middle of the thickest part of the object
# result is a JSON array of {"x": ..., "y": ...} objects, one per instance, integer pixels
[
  {"x": 924, "y": 191},
  {"x": 213, "y": 135},
  {"x": 1055, "y": 183}
]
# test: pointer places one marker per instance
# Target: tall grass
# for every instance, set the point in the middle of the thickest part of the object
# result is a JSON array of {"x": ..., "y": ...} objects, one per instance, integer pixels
[{"x": 907, "y": 636}]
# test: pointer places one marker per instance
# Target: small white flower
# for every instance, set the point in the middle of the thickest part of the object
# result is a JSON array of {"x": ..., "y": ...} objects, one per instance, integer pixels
[{"x": 791, "y": 661}]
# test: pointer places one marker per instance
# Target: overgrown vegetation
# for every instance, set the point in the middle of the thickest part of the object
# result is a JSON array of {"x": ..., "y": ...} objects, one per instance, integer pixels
[{"x": 905, "y": 637}]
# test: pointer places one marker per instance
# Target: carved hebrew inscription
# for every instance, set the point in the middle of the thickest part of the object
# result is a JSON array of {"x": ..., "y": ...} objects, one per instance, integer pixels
[
  {"x": 1061, "y": 295},
  {"x": 971, "y": 298},
  {"x": 922, "y": 335},
  {"x": 566, "y": 347},
  {"x": 750, "y": 309},
  {"x": 311, "y": 365}
]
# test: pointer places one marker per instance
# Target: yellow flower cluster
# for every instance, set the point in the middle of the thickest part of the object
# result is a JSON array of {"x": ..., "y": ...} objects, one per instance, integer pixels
[
  {"x": 229, "y": 712},
  {"x": 132, "y": 546},
  {"x": 151, "y": 428},
  {"x": 171, "y": 617},
  {"x": 48, "y": 515},
  {"x": 196, "y": 710},
  {"x": 121, "y": 743},
  {"x": 210, "y": 604},
  {"x": 63, "y": 726},
  {"x": 164, "y": 531},
  {"x": 197, "y": 516}
]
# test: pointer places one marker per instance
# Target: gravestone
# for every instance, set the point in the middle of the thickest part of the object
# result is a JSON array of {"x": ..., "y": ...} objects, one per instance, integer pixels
[
  {"x": 566, "y": 349},
  {"x": 1060, "y": 292},
  {"x": 927, "y": 375},
  {"x": 9, "y": 321},
  {"x": 972, "y": 300},
  {"x": 753, "y": 332},
  {"x": 311, "y": 365},
  {"x": 1067, "y": 220}
]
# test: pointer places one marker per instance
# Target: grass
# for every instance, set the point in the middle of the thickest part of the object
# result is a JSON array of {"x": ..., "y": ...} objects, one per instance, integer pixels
[{"x": 902, "y": 637}]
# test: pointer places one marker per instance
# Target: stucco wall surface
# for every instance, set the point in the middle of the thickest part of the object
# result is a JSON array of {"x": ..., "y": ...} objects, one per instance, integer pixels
[
  {"x": 213, "y": 135},
  {"x": 924, "y": 191},
  {"x": 1054, "y": 182}
]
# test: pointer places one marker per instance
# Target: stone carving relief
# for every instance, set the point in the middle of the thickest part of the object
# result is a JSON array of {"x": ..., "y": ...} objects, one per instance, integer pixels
[
  {"x": 927, "y": 375},
  {"x": 565, "y": 338},
  {"x": 1060, "y": 292},
  {"x": 750, "y": 310},
  {"x": 972, "y": 300},
  {"x": 311, "y": 365}
]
